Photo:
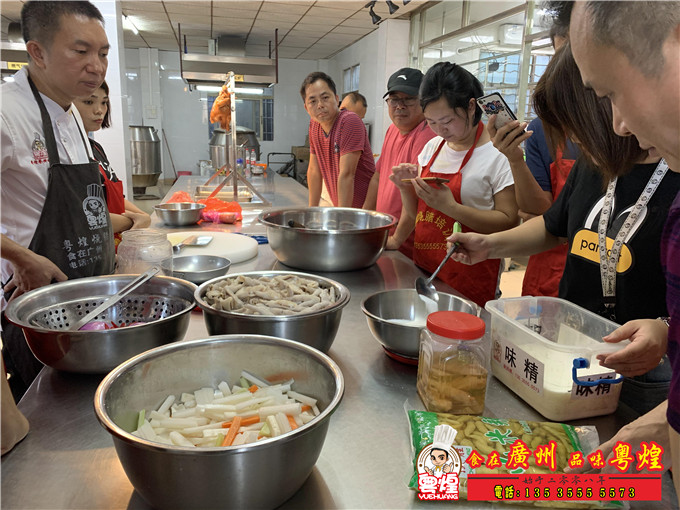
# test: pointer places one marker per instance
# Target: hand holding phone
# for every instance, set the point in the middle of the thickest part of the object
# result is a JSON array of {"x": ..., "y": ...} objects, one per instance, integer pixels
[
  {"x": 494, "y": 104},
  {"x": 436, "y": 180}
]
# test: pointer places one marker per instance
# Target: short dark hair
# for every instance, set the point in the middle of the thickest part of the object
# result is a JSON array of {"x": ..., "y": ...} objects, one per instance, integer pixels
[
  {"x": 637, "y": 29},
  {"x": 453, "y": 82},
  {"x": 40, "y": 20},
  {"x": 313, "y": 77},
  {"x": 106, "y": 121},
  {"x": 357, "y": 98},
  {"x": 569, "y": 109}
]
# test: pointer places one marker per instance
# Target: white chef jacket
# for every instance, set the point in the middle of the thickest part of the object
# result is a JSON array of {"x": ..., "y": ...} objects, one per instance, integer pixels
[{"x": 24, "y": 170}]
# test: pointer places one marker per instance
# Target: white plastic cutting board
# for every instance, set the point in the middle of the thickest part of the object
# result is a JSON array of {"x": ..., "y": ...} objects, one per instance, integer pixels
[{"x": 235, "y": 247}]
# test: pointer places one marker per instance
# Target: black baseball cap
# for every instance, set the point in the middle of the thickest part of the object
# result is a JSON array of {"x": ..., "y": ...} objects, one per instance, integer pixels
[{"x": 406, "y": 80}]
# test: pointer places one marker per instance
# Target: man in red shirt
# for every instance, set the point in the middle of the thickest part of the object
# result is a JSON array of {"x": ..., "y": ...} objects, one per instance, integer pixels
[
  {"x": 340, "y": 153},
  {"x": 404, "y": 140}
]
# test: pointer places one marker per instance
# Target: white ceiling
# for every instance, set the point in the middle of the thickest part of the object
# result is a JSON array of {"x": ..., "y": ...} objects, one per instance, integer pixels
[{"x": 307, "y": 29}]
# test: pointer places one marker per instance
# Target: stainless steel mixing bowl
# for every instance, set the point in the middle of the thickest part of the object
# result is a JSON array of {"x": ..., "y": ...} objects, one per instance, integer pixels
[
  {"x": 317, "y": 329},
  {"x": 260, "y": 475},
  {"x": 333, "y": 238},
  {"x": 45, "y": 314},
  {"x": 199, "y": 268},
  {"x": 179, "y": 214},
  {"x": 406, "y": 305}
]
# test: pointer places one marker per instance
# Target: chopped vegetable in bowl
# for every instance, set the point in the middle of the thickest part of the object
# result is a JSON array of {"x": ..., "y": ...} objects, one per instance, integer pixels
[{"x": 246, "y": 413}]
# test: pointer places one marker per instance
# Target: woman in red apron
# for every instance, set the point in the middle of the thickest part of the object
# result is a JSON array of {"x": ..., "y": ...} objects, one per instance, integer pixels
[
  {"x": 96, "y": 114},
  {"x": 479, "y": 193}
]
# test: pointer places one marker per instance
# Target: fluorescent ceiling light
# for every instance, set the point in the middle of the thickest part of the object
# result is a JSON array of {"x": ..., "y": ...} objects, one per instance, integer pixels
[
  {"x": 477, "y": 39},
  {"x": 127, "y": 23},
  {"x": 208, "y": 88},
  {"x": 8, "y": 78},
  {"x": 249, "y": 91}
]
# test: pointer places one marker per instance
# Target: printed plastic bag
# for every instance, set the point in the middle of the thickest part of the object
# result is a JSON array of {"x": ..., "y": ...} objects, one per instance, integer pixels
[{"x": 487, "y": 435}]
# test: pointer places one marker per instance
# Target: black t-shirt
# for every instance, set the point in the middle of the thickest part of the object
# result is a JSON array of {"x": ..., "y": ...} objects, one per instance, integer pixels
[
  {"x": 640, "y": 283},
  {"x": 100, "y": 155}
]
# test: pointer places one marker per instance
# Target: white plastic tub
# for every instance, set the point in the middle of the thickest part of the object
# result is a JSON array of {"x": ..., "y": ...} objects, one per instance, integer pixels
[{"x": 534, "y": 342}]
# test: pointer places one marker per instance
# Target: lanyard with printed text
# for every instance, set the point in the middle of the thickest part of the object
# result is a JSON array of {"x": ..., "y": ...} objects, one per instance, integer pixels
[{"x": 608, "y": 263}]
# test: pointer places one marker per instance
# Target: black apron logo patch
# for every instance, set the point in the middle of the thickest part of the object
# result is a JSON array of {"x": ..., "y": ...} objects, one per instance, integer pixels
[{"x": 95, "y": 207}]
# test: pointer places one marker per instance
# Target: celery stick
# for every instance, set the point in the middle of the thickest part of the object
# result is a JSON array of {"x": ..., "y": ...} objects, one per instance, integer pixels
[
  {"x": 140, "y": 419},
  {"x": 219, "y": 439},
  {"x": 265, "y": 431},
  {"x": 244, "y": 382}
]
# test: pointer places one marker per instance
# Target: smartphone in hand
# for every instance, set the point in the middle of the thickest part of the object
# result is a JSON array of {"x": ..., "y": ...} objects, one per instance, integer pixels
[
  {"x": 494, "y": 104},
  {"x": 436, "y": 180}
]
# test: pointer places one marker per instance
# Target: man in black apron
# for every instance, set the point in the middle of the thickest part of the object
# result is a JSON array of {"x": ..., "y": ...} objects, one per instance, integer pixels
[{"x": 67, "y": 48}]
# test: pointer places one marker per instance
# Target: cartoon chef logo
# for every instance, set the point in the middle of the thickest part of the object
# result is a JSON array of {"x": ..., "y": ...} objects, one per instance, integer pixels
[
  {"x": 95, "y": 207},
  {"x": 439, "y": 466},
  {"x": 39, "y": 150}
]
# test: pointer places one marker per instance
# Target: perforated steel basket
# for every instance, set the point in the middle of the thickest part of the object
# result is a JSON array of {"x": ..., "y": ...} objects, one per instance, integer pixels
[{"x": 162, "y": 304}]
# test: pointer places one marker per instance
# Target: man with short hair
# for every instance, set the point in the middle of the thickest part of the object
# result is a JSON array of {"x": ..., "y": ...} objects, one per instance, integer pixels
[
  {"x": 355, "y": 102},
  {"x": 404, "y": 140},
  {"x": 340, "y": 153},
  {"x": 54, "y": 221},
  {"x": 629, "y": 52}
]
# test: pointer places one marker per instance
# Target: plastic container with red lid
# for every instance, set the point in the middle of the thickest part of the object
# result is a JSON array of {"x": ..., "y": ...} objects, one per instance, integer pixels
[{"x": 453, "y": 363}]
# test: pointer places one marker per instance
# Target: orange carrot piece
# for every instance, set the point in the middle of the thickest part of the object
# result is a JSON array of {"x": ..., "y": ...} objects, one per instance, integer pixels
[
  {"x": 233, "y": 430},
  {"x": 293, "y": 425},
  {"x": 305, "y": 408},
  {"x": 253, "y": 388},
  {"x": 251, "y": 420}
]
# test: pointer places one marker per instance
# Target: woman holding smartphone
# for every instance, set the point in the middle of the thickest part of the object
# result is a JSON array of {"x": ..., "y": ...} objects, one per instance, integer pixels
[
  {"x": 96, "y": 114},
  {"x": 611, "y": 212},
  {"x": 480, "y": 193}
]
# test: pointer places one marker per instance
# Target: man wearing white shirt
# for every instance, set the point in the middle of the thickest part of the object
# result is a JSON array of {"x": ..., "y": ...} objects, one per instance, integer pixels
[{"x": 54, "y": 222}]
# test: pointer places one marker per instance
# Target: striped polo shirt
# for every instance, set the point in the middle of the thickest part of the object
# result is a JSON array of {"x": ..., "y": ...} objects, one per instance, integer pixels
[{"x": 348, "y": 134}]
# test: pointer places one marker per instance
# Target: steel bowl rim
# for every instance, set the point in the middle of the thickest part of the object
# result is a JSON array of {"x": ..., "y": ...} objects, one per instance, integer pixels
[
  {"x": 339, "y": 304},
  {"x": 14, "y": 305},
  {"x": 202, "y": 256},
  {"x": 386, "y": 321},
  {"x": 195, "y": 206},
  {"x": 117, "y": 432},
  {"x": 262, "y": 218}
]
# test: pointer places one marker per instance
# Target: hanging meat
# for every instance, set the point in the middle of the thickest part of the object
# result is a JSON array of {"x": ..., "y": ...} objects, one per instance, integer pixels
[{"x": 221, "y": 109}]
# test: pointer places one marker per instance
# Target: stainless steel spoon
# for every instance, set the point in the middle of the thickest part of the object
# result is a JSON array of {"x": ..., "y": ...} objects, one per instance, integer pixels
[
  {"x": 109, "y": 302},
  {"x": 424, "y": 285}
]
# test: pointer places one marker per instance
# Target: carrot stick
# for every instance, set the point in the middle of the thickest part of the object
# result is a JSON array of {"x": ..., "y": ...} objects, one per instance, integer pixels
[
  {"x": 233, "y": 430},
  {"x": 251, "y": 420},
  {"x": 293, "y": 425},
  {"x": 305, "y": 408},
  {"x": 253, "y": 388}
]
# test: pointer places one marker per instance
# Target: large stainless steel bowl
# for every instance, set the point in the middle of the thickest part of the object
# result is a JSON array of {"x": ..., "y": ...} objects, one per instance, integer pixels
[
  {"x": 333, "y": 238},
  {"x": 260, "y": 475},
  {"x": 199, "y": 268},
  {"x": 179, "y": 214},
  {"x": 45, "y": 314},
  {"x": 317, "y": 329},
  {"x": 403, "y": 306}
]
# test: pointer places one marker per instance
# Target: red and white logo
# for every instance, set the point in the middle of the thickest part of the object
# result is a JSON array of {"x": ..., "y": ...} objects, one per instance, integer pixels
[{"x": 39, "y": 150}]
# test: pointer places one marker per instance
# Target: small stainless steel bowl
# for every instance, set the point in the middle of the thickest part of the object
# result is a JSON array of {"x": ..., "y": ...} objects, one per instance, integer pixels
[
  {"x": 259, "y": 475},
  {"x": 199, "y": 268},
  {"x": 382, "y": 308},
  {"x": 179, "y": 214},
  {"x": 333, "y": 238},
  {"x": 317, "y": 329},
  {"x": 163, "y": 304}
]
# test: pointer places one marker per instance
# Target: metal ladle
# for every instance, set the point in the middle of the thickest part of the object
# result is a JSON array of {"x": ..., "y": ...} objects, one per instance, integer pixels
[
  {"x": 109, "y": 302},
  {"x": 424, "y": 285}
]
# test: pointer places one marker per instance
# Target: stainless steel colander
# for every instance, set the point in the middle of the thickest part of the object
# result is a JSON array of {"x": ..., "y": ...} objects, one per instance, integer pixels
[{"x": 162, "y": 304}]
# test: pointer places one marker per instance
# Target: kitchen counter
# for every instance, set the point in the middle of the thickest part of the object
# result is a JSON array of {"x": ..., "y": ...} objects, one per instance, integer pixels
[{"x": 68, "y": 460}]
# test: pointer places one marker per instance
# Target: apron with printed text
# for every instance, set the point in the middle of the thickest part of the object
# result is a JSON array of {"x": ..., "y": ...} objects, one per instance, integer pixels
[
  {"x": 477, "y": 282},
  {"x": 544, "y": 270},
  {"x": 74, "y": 232}
]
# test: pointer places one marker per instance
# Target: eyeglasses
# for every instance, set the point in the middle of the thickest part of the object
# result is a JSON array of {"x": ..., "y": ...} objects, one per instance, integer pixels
[{"x": 394, "y": 102}]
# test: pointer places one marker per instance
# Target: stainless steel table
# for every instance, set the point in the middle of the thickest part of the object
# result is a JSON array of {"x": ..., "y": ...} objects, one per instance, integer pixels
[{"x": 68, "y": 461}]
